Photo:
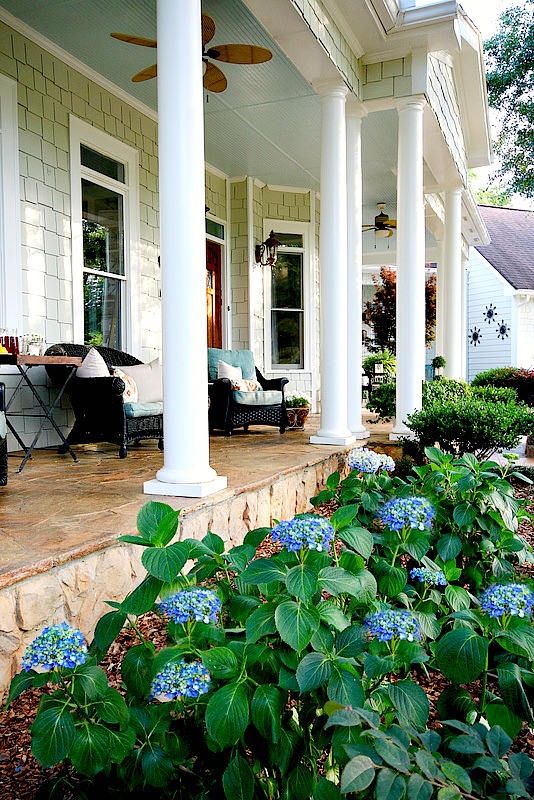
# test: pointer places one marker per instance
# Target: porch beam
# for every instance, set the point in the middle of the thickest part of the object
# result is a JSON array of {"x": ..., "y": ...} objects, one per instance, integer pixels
[
  {"x": 186, "y": 471},
  {"x": 354, "y": 113},
  {"x": 410, "y": 264},
  {"x": 334, "y": 427}
]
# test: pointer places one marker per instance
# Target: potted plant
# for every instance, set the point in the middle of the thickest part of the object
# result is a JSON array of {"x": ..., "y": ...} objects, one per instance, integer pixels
[
  {"x": 438, "y": 362},
  {"x": 298, "y": 408}
]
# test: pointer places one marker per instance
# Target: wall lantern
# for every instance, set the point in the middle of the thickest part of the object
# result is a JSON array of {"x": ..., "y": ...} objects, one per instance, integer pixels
[{"x": 266, "y": 253}]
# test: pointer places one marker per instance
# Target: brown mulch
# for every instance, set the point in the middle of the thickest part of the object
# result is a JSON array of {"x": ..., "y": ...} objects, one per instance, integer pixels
[{"x": 21, "y": 775}]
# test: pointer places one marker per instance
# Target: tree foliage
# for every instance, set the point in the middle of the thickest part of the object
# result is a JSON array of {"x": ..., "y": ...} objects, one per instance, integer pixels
[
  {"x": 380, "y": 312},
  {"x": 510, "y": 77}
]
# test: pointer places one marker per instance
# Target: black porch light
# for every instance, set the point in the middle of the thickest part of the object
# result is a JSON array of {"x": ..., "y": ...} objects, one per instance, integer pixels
[{"x": 266, "y": 253}]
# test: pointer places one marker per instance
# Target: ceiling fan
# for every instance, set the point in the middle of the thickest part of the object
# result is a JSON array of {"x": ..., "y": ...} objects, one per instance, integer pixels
[
  {"x": 214, "y": 78},
  {"x": 383, "y": 225}
]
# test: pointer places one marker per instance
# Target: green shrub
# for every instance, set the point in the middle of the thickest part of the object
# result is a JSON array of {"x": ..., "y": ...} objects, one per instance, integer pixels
[
  {"x": 441, "y": 389},
  {"x": 471, "y": 425},
  {"x": 384, "y": 357},
  {"x": 382, "y": 401},
  {"x": 495, "y": 394},
  {"x": 492, "y": 377}
]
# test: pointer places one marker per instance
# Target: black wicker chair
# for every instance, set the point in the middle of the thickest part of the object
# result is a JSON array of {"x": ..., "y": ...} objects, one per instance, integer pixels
[
  {"x": 226, "y": 412},
  {"x": 3, "y": 439},
  {"x": 98, "y": 403}
]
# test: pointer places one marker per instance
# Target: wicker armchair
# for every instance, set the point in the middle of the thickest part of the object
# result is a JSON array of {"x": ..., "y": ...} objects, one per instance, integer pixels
[
  {"x": 98, "y": 403},
  {"x": 3, "y": 438},
  {"x": 231, "y": 409}
]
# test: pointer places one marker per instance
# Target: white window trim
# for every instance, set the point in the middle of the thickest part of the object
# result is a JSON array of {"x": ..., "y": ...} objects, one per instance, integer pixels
[
  {"x": 303, "y": 228},
  {"x": 11, "y": 314},
  {"x": 83, "y": 133}
]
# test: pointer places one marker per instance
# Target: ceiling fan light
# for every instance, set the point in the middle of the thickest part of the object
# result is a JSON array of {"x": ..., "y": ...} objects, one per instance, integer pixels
[{"x": 383, "y": 233}]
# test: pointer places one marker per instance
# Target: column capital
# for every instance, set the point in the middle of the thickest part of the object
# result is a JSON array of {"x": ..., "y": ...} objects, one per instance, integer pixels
[
  {"x": 355, "y": 108},
  {"x": 331, "y": 88},
  {"x": 415, "y": 102},
  {"x": 452, "y": 191}
]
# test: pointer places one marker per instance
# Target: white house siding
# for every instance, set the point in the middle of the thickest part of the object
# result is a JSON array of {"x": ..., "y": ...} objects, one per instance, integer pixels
[
  {"x": 443, "y": 98},
  {"x": 485, "y": 287},
  {"x": 239, "y": 258},
  {"x": 387, "y": 79}
]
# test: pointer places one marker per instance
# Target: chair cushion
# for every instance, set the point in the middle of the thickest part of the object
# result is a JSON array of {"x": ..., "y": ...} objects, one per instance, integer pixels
[
  {"x": 93, "y": 366},
  {"x": 237, "y": 358},
  {"x": 149, "y": 381},
  {"x": 246, "y": 386},
  {"x": 133, "y": 410},
  {"x": 3, "y": 425},
  {"x": 225, "y": 370},
  {"x": 270, "y": 398}
]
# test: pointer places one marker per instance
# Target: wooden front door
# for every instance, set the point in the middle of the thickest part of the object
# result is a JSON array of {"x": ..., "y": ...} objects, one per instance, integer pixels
[{"x": 214, "y": 294}]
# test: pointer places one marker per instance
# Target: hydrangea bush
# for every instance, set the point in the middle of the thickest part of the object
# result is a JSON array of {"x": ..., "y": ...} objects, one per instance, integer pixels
[{"x": 291, "y": 676}]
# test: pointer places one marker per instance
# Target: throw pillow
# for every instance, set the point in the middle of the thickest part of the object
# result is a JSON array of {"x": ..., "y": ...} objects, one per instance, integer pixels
[
  {"x": 246, "y": 386},
  {"x": 131, "y": 393},
  {"x": 93, "y": 366},
  {"x": 225, "y": 370},
  {"x": 149, "y": 381}
]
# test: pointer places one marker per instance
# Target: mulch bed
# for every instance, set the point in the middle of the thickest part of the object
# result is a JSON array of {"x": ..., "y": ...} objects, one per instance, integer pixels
[{"x": 21, "y": 775}]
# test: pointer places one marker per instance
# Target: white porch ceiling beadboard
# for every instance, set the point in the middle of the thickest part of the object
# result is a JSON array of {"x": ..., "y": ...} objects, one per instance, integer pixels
[{"x": 266, "y": 124}]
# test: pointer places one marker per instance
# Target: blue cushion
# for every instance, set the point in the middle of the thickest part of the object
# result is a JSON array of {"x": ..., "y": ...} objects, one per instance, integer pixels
[
  {"x": 237, "y": 358},
  {"x": 143, "y": 409},
  {"x": 270, "y": 398}
]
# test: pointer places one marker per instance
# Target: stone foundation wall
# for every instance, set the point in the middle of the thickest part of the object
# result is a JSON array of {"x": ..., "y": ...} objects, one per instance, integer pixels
[{"x": 77, "y": 591}]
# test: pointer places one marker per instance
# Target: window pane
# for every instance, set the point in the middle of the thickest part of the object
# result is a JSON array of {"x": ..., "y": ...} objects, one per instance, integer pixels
[
  {"x": 103, "y": 229},
  {"x": 102, "y": 310},
  {"x": 290, "y": 239},
  {"x": 215, "y": 228},
  {"x": 286, "y": 281},
  {"x": 287, "y": 339},
  {"x": 100, "y": 163}
]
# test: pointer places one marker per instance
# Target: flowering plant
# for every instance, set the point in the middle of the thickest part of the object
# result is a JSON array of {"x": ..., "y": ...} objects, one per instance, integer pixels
[
  {"x": 57, "y": 647},
  {"x": 368, "y": 461},
  {"x": 297, "y": 401},
  {"x": 305, "y": 532}
]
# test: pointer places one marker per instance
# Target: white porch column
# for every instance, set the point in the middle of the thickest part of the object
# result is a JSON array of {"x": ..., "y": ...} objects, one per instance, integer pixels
[
  {"x": 439, "y": 299},
  {"x": 186, "y": 471},
  {"x": 410, "y": 264},
  {"x": 355, "y": 113},
  {"x": 463, "y": 331},
  {"x": 452, "y": 284},
  {"x": 333, "y": 266}
]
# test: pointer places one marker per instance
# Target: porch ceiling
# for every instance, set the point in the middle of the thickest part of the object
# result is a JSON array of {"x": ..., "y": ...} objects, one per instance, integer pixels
[{"x": 266, "y": 124}]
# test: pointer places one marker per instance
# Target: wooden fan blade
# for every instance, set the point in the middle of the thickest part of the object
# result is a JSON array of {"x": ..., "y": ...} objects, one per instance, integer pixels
[
  {"x": 146, "y": 74},
  {"x": 392, "y": 223},
  {"x": 214, "y": 79},
  {"x": 208, "y": 28},
  {"x": 126, "y": 37},
  {"x": 240, "y": 53},
  {"x": 366, "y": 228}
]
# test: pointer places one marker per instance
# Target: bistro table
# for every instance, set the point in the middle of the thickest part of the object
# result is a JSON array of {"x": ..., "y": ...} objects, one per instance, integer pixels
[{"x": 24, "y": 365}]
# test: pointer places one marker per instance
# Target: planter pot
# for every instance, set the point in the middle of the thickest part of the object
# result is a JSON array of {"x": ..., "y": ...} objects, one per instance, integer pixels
[{"x": 296, "y": 418}]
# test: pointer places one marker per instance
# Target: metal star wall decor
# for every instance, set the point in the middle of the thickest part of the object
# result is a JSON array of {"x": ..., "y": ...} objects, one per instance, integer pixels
[
  {"x": 474, "y": 336},
  {"x": 502, "y": 330},
  {"x": 490, "y": 313}
]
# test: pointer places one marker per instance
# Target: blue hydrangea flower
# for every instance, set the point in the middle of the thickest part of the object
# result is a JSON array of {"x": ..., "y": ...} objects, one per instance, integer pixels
[
  {"x": 57, "y": 646},
  {"x": 365, "y": 460},
  {"x": 434, "y": 577},
  {"x": 315, "y": 533},
  {"x": 191, "y": 605},
  {"x": 180, "y": 679},
  {"x": 392, "y": 624},
  {"x": 514, "y": 599},
  {"x": 407, "y": 512}
]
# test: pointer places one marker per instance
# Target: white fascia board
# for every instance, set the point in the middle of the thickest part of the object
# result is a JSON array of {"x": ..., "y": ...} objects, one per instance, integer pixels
[{"x": 473, "y": 226}]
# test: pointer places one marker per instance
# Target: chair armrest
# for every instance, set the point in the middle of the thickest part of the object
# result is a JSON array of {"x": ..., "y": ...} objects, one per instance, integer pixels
[
  {"x": 94, "y": 386},
  {"x": 219, "y": 389},
  {"x": 273, "y": 383}
]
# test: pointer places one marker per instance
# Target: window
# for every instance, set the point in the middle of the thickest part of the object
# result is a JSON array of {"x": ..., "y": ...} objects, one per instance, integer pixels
[
  {"x": 105, "y": 240},
  {"x": 286, "y": 294}
]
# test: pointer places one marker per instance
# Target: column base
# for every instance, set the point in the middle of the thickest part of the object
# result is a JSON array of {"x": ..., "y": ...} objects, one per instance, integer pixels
[
  {"x": 156, "y": 486},
  {"x": 401, "y": 432},
  {"x": 327, "y": 438},
  {"x": 360, "y": 432}
]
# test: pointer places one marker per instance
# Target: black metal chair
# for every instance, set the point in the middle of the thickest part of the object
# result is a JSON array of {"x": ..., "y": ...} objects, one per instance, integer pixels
[
  {"x": 230, "y": 409},
  {"x": 3, "y": 437},
  {"x": 98, "y": 404}
]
